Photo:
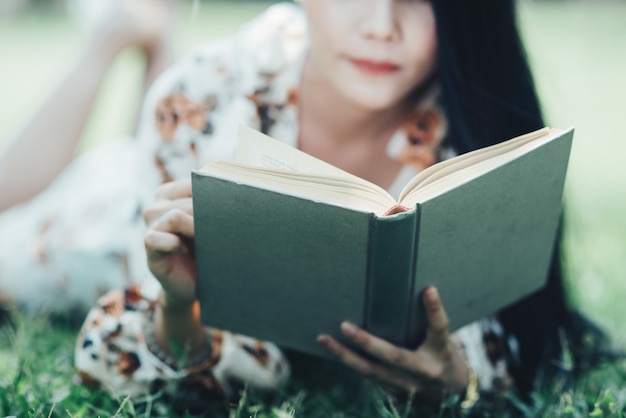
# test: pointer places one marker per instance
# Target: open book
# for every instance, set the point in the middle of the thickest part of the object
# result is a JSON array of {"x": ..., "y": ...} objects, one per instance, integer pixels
[{"x": 288, "y": 246}]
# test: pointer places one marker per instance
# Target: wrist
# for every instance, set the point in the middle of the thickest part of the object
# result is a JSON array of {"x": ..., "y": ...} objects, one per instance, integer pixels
[
  {"x": 176, "y": 306},
  {"x": 178, "y": 355},
  {"x": 179, "y": 326}
]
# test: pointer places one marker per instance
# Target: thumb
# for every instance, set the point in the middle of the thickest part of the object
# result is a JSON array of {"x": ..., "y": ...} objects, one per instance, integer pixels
[{"x": 438, "y": 323}]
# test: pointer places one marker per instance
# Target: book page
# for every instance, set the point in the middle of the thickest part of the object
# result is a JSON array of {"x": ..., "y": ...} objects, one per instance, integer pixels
[
  {"x": 266, "y": 163},
  {"x": 462, "y": 170},
  {"x": 445, "y": 168},
  {"x": 333, "y": 190},
  {"x": 257, "y": 149}
]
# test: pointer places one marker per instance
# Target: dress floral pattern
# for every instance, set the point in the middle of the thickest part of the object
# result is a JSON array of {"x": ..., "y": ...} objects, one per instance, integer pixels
[{"x": 75, "y": 248}]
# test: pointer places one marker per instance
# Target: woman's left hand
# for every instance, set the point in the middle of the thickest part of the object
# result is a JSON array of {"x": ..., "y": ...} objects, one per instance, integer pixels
[{"x": 434, "y": 370}]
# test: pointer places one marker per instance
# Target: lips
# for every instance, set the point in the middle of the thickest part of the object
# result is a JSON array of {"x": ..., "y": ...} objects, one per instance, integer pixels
[{"x": 375, "y": 67}]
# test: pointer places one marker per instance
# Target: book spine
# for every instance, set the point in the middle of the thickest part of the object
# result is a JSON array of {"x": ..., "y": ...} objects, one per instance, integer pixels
[{"x": 391, "y": 276}]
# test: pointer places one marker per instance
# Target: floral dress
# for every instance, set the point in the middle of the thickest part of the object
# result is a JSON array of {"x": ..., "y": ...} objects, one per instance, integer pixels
[{"x": 82, "y": 238}]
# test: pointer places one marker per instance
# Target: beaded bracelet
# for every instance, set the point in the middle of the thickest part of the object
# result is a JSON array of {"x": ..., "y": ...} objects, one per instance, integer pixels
[{"x": 181, "y": 363}]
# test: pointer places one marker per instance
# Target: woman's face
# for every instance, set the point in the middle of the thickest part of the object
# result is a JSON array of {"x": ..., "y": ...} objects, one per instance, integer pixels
[{"x": 373, "y": 52}]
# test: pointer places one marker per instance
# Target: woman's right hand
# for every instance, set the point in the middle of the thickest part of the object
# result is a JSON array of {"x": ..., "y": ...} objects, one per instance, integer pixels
[{"x": 169, "y": 243}]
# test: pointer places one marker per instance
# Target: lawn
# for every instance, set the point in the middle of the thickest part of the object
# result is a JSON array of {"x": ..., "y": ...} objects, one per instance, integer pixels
[{"x": 577, "y": 50}]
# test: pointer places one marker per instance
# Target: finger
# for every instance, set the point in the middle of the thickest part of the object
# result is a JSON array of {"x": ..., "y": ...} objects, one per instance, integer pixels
[
  {"x": 438, "y": 323},
  {"x": 160, "y": 207},
  {"x": 375, "y": 346},
  {"x": 175, "y": 221},
  {"x": 171, "y": 266},
  {"x": 368, "y": 369},
  {"x": 174, "y": 189},
  {"x": 423, "y": 363},
  {"x": 158, "y": 242}
]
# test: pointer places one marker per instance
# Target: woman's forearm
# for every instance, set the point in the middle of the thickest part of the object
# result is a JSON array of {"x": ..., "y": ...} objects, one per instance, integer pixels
[{"x": 46, "y": 145}]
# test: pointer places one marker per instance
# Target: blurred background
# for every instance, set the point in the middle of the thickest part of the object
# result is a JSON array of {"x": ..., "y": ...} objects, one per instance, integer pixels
[{"x": 577, "y": 49}]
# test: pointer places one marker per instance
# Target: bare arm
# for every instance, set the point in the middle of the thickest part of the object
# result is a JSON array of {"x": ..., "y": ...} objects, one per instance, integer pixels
[
  {"x": 45, "y": 146},
  {"x": 48, "y": 142}
]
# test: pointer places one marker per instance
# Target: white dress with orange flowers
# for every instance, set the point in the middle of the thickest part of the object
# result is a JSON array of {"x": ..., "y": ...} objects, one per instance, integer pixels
[{"x": 83, "y": 237}]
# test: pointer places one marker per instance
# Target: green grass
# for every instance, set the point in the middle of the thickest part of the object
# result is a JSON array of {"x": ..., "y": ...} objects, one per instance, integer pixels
[
  {"x": 577, "y": 53},
  {"x": 36, "y": 380}
]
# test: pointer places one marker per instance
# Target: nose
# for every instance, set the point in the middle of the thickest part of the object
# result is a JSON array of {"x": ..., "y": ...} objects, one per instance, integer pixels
[{"x": 380, "y": 22}]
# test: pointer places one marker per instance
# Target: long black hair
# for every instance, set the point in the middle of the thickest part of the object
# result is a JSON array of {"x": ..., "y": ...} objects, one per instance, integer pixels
[{"x": 489, "y": 96}]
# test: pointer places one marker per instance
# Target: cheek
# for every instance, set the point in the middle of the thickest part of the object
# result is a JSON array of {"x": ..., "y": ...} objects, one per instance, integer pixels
[
  {"x": 430, "y": 45},
  {"x": 422, "y": 52},
  {"x": 426, "y": 59},
  {"x": 331, "y": 22}
]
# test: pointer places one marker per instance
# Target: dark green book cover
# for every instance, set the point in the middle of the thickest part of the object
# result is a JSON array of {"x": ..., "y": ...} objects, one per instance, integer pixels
[{"x": 286, "y": 269}]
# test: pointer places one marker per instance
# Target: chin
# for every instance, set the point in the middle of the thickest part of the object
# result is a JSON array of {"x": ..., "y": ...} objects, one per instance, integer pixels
[
  {"x": 372, "y": 93},
  {"x": 373, "y": 98}
]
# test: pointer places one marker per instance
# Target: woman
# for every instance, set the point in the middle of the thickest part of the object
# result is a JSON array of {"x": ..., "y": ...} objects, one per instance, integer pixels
[{"x": 379, "y": 88}]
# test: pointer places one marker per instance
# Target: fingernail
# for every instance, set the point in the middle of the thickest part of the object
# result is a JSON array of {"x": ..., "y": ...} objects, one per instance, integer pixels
[
  {"x": 349, "y": 328},
  {"x": 324, "y": 341},
  {"x": 432, "y": 295}
]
